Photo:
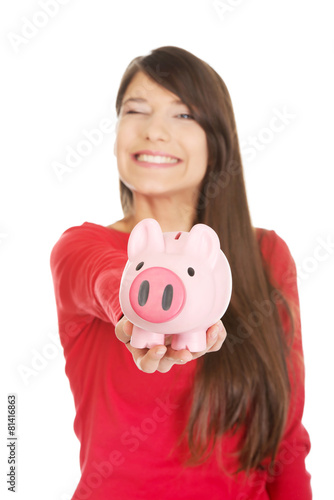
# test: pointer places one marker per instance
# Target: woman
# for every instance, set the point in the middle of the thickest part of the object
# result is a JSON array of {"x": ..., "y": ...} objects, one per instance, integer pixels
[{"x": 223, "y": 423}]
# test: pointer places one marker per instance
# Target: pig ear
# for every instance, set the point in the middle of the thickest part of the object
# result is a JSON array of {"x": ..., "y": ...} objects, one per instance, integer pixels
[
  {"x": 203, "y": 242},
  {"x": 146, "y": 235}
]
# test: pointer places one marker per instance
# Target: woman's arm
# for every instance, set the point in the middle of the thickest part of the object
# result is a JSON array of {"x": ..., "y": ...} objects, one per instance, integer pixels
[
  {"x": 289, "y": 478},
  {"x": 87, "y": 265}
]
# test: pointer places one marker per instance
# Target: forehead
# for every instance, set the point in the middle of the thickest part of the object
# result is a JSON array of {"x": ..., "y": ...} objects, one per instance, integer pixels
[{"x": 142, "y": 86}]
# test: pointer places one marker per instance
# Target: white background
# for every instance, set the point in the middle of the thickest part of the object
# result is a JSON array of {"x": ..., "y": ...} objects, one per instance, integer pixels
[{"x": 63, "y": 80}]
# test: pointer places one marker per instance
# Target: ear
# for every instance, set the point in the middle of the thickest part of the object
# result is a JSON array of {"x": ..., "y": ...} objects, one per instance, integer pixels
[
  {"x": 203, "y": 242},
  {"x": 146, "y": 235}
]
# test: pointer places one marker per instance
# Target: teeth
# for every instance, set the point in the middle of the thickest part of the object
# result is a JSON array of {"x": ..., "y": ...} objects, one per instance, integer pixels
[{"x": 156, "y": 159}]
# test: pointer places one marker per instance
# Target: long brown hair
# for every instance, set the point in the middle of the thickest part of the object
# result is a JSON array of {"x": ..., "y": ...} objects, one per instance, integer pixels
[{"x": 246, "y": 382}]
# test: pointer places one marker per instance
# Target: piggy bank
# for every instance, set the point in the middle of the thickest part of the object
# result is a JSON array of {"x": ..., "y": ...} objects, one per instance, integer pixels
[{"x": 174, "y": 283}]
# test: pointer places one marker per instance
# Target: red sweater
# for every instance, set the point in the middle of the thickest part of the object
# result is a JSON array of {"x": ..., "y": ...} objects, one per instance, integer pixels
[{"x": 128, "y": 421}]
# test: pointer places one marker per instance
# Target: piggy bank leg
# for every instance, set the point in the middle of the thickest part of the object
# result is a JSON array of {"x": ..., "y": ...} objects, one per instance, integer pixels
[
  {"x": 142, "y": 338},
  {"x": 193, "y": 341}
]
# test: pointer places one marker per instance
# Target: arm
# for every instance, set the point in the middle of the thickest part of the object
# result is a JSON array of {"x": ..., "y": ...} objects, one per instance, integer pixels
[
  {"x": 87, "y": 266},
  {"x": 289, "y": 478}
]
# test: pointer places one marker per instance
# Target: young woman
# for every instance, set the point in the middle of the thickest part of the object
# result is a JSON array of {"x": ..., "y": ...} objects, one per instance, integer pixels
[{"x": 157, "y": 423}]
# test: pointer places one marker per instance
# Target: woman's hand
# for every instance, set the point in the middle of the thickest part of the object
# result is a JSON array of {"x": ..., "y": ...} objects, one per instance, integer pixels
[{"x": 161, "y": 358}]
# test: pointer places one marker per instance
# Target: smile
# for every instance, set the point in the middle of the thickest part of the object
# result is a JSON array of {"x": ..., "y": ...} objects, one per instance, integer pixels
[{"x": 155, "y": 159}]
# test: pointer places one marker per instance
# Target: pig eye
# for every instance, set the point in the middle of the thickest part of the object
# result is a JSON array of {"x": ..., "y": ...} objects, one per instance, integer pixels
[
  {"x": 139, "y": 266},
  {"x": 191, "y": 271}
]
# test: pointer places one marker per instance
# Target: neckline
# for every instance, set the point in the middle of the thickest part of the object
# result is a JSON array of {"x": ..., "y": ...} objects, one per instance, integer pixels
[
  {"x": 116, "y": 230},
  {"x": 260, "y": 232}
]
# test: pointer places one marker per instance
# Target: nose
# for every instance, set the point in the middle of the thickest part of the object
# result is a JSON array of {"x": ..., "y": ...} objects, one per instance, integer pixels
[
  {"x": 157, "y": 295},
  {"x": 156, "y": 129}
]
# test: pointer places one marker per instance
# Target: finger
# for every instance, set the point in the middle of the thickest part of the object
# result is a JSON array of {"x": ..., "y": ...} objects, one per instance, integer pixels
[
  {"x": 216, "y": 337},
  {"x": 173, "y": 357},
  {"x": 123, "y": 330},
  {"x": 147, "y": 360}
]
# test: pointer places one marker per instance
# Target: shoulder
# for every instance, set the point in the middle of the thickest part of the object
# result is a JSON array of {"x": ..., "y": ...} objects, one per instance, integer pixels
[
  {"x": 92, "y": 229},
  {"x": 273, "y": 247},
  {"x": 88, "y": 235},
  {"x": 87, "y": 230}
]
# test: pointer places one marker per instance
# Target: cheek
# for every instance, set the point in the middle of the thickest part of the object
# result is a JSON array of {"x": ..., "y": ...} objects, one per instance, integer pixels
[
  {"x": 199, "y": 148},
  {"x": 122, "y": 150},
  {"x": 123, "y": 137}
]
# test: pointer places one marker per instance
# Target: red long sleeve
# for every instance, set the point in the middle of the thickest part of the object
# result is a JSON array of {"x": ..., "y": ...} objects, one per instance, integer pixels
[
  {"x": 86, "y": 268},
  {"x": 289, "y": 478},
  {"x": 129, "y": 422}
]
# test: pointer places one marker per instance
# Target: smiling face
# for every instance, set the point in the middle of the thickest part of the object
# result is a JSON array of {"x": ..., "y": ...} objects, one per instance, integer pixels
[{"x": 160, "y": 148}]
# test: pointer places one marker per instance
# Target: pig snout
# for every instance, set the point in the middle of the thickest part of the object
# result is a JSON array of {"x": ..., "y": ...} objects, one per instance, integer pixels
[{"x": 157, "y": 295}]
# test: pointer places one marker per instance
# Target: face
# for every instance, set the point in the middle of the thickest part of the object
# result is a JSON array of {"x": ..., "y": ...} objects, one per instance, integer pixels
[{"x": 160, "y": 148}]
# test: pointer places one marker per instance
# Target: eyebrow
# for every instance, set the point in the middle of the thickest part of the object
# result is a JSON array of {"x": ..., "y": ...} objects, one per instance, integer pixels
[{"x": 141, "y": 99}]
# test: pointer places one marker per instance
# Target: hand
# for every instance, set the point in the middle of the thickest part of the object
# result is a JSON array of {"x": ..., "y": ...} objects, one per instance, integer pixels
[{"x": 161, "y": 358}]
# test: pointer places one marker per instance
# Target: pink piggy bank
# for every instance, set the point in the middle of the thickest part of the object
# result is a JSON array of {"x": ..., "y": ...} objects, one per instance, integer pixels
[{"x": 175, "y": 283}]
